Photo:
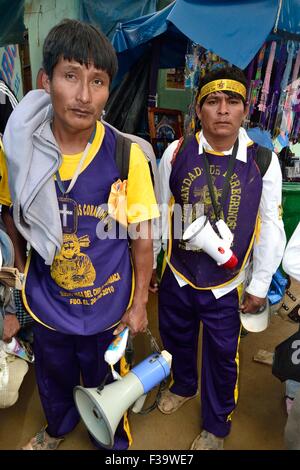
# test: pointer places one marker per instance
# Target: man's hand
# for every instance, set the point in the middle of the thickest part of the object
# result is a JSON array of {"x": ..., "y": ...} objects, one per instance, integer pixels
[
  {"x": 11, "y": 327},
  {"x": 153, "y": 286},
  {"x": 252, "y": 304},
  {"x": 135, "y": 318}
]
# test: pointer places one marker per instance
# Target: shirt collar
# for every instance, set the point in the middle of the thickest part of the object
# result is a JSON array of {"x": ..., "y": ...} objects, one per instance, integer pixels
[{"x": 244, "y": 142}]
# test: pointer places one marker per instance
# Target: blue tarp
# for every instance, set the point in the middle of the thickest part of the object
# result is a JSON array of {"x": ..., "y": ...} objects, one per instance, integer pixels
[
  {"x": 234, "y": 30},
  {"x": 108, "y": 13},
  {"x": 140, "y": 30},
  {"x": 12, "y": 26}
]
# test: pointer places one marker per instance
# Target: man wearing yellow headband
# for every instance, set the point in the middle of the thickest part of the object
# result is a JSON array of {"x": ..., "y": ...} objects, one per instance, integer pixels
[{"x": 221, "y": 174}]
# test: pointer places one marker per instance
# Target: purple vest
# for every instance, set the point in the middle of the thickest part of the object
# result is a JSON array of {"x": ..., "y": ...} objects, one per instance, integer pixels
[
  {"x": 87, "y": 288},
  {"x": 188, "y": 184}
]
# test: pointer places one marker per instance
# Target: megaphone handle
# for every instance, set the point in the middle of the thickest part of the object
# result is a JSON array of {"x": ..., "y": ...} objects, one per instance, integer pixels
[
  {"x": 129, "y": 351},
  {"x": 102, "y": 385}
]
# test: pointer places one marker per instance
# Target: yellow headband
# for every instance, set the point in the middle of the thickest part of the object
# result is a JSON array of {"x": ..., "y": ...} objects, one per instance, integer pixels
[{"x": 222, "y": 85}]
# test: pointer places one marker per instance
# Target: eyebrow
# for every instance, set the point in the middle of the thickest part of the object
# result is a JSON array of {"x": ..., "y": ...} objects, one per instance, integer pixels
[
  {"x": 78, "y": 66},
  {"x": 216, "y": 94}
]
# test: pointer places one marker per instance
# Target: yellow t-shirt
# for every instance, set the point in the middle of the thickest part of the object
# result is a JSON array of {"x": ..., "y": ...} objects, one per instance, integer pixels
[
  {"x": 4, "y": 188},
  {"x": 141, "y": 202}
]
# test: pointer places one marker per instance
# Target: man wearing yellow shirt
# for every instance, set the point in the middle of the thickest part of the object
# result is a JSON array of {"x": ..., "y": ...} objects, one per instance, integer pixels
[
  {"x": 10, "y": 323},
  {"x": 89, "y": 289}
]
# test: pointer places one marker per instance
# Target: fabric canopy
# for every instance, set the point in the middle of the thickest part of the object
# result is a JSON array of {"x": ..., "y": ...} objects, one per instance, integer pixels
[
  {"x": 11, "y": 22},
  {"x": 234, "y": 30},
  {"x": 107, "y": 14}
]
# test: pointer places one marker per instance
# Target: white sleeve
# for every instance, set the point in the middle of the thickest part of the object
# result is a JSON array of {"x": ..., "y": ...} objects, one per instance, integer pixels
[
  {"x": 164, "y": 171},
  {"x": 268, "y": 250},
  {"x": 291, "y": 258}
]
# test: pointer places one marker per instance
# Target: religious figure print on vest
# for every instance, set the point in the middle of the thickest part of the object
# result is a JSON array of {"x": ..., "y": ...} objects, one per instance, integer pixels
[{"x": 189, "y": 186}]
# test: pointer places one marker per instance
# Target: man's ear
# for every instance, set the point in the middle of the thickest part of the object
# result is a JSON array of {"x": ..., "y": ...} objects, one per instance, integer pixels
[
  {"x": 246, "y": 111},
  {"x": 45, "y": 81},
  {"x": 198, "y": 111}
]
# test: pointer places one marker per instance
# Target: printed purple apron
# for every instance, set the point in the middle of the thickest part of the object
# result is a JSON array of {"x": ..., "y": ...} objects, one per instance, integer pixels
[
  {"x": 188, "y": 184},
  {"x": 87, "y": 288}
]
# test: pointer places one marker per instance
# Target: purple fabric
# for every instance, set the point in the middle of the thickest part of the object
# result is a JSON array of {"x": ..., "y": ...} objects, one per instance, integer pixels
[
  {"x": 249, "y": 72},
  {"x": 60, "y": 359},
  {"x": 75, "y": 295},
  {"x": 274, "y": 94},
  {"x": 180, "y": 312},
  {"x": 296, "y": 125},
  {"x": 188, "y": 183}
]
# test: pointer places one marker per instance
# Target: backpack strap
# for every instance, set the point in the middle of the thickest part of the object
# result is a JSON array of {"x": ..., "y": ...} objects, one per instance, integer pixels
[
  {"x": 263, "y": 159},
  {"x": 182, "y": 143},
  {"x": 122, "y": 155}
]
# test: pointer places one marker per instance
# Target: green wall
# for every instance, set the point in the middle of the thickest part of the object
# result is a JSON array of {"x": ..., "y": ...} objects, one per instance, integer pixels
[
  {"x": 40, "y": 16},
  {"x": 172, "y": 99}
]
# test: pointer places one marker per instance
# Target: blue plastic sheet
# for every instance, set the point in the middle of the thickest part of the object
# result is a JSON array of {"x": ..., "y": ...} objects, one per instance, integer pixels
[
  {"x": 234, "y": 30},
  {"x": 106, "y": 14},
  {"x": 12, "y": 26},
  {"x": 277, "y": 288},
  {"x": 261, "y": 137}
]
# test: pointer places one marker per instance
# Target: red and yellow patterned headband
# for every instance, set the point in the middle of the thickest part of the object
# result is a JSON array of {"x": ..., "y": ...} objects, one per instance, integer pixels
[{"x": 223, "y": 85}]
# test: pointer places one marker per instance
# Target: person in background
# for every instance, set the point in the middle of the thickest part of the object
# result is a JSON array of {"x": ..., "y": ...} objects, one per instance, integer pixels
[
  {"x": 290, "y": 309},
  {"x": 194, "y": 176},
  {"x": 290, "y": 306},
  {"x": 8, "y": 102},
  {"x": 83, "y": 284},
  {"x": 10, "y": 323}
]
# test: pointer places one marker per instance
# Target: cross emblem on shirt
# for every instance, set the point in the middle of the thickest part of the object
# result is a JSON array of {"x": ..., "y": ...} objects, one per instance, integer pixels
[
  {"x": 65, "y": 214},
  {"x": 68, "y": 214}
]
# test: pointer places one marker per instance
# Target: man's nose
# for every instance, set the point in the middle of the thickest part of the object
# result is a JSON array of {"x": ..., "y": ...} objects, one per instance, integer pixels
[
  {"x": 84, "y": 92},
  {"x": 223, "y": 107}
]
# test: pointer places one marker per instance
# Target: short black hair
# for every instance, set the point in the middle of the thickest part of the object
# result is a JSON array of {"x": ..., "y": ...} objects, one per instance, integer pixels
[
  {"x": 231, "y": 73},
  {"x": 79, "y": 41}
]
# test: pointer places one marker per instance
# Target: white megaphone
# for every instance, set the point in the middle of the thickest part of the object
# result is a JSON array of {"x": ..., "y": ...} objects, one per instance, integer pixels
[
  {"x": 102, "y": 410},
  {"x": 200, "y": 234}
]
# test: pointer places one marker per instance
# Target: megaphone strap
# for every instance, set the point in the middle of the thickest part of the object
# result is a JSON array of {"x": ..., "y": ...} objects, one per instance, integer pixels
[
  {"x": 154, "y": 344},
  {"x": 218, "y": 208}
]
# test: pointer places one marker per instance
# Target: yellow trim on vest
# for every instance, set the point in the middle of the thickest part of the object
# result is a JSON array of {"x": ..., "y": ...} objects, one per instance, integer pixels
[
  {"x": 197, "y": 135},
  {"x": 51, "y": 328},
  {"x": 25, "y": 299},
  {"x": 211, "y": 287},
  {"x": 240, "y": 290}
]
